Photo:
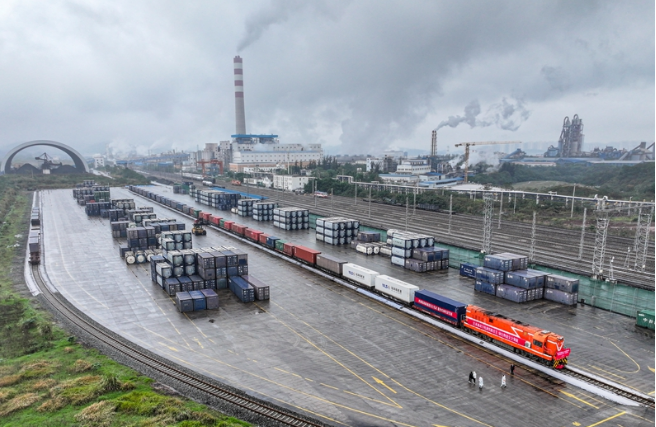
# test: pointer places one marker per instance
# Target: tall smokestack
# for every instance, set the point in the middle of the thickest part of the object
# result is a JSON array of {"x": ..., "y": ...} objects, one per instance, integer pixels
[
  {"x": 240, "y": 115},
  {"x": 434, "y": 144}
]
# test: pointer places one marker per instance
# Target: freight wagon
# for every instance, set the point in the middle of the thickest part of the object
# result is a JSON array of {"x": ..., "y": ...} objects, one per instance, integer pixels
[{"x": 529, "y": 341}]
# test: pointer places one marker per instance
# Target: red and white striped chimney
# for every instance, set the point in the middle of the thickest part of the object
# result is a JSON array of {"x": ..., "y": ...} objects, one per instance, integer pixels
[{"x": 240, "y": 115}]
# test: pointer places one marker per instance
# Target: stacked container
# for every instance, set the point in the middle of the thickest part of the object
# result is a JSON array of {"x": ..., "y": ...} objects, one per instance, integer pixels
[
  {"x": 337, "y": 230},
  {"x": 564, "y": 290},
  {"x": 217, "y": 199},
  {"x": 245, "y": 207},
  {"x": 263, "y": 211},
  {"x": 416, "y": 252},
  {"x": 291, "y": 218}
]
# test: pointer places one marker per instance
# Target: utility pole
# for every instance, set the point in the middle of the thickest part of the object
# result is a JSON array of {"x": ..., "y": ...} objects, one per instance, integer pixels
[
  {"x": 500, "y": 210},
  {"x": 571, "y": 215},
  {"x": 450, "y": 211},
  {"x": 488, "y": 199},
  {"x": 531, "y": 252},
  {"x": 315, "y": 192},
  {"x": 406, "y": 211},
  {"x": 414, "y": 203},
  {"x": 355, "y": 195},
  {"x": 369, "y": 200},
  {"x": 515, "y": 204},
  {"x": 641, "y": 243},
  {"x": 331, "y": 202},
  {"x": 585, "y": 212}
]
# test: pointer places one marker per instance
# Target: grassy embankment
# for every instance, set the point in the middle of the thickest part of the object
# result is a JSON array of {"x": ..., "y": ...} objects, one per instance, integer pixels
[{"x": 46, "y": 378}]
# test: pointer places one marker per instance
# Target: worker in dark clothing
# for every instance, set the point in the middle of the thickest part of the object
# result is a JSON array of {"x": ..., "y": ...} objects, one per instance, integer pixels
[
  {"x": 471, "y": 377},
  {"x": 512, "y": 369}
]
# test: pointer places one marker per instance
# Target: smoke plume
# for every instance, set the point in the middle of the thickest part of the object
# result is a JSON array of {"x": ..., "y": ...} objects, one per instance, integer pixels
[{"x": 507, "y": 115}]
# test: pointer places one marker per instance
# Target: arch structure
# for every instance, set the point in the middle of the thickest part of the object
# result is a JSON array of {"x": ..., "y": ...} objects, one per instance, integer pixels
[{"x": 80, "y": 164}]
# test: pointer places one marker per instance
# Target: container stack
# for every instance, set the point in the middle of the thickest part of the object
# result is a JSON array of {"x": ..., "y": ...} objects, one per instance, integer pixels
[
  {"x": 180, "y": 239},
  {"x": 263, "y": 211},
  {"x": 564, "y": 290},
  {"x": 291, "y": 218},
  {"x": 218, "y": 199},
  {"x": 245, "y": 207},
  {"x": 93, "y": 208},
  {"x": 337, "y": 230},
  {"x": 124, "y": 204},
  {"x": 416, "y": 252},
  {"x": 141, "y": 238},
  {"x": 119, "y": 229},
  {"x": 368, "y": 243}
]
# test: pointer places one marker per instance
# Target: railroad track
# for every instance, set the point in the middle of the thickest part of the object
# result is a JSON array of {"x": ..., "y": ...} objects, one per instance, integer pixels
[
  {"x": 200, "y": 384},
  {"x": 619, "y": 390},
  {"x": 624, "y": 392}
]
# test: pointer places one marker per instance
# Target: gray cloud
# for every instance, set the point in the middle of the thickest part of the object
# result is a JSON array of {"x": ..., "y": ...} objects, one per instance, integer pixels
[{"x": 357, "y": 76}]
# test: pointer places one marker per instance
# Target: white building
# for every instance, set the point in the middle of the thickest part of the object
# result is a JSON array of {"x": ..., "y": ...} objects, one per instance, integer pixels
[
  {"x": 392, "y": 178},
  {"x": 287, "y": 154},
  {"x": 290, "y": 182},
  {"x": 371, "y": 164},
  {"x": 98, "y": 161},
  {"x": 414, "y": 167}
]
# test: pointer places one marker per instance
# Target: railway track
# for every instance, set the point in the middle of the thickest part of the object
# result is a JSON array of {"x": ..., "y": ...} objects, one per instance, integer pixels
[
  {"x": 644, "y": 400},
  {"x": 619, "y": 390},
  {"x": 257, "y": 409}
]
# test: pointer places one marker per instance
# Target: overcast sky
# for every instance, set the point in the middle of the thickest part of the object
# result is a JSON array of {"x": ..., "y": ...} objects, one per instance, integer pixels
[{"x": 357, "y": 76}]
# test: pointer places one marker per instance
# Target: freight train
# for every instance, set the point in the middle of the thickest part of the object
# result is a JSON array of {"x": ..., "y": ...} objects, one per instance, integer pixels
[
  {"x": 34, "y": 237},
  {"x": 530, "y": 341}
]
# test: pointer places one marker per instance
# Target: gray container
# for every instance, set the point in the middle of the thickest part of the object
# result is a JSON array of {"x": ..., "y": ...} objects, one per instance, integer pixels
[
  {"x": 512, "y": 293},
  {"x": 186, "y": 284},
  {"x": 171, "y": 286},
  {"x": 184, "y": 302},
  {"x": 562, "y": 283},
  {"x": 416, "y": 265},
  {"x": 205, "y": 260},
  {"x": 164, "y": 269},
  {"x": 260, "y": 288},
  {"x": 565, "y": 298},
  {"x": 330, "y": 263},
  {"x": 211, "y": 299}
]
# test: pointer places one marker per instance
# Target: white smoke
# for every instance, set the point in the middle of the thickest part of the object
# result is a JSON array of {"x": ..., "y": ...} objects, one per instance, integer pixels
[{"x": 508, "y": 114}]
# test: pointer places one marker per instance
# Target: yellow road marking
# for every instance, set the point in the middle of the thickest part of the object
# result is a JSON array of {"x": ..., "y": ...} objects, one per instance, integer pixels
[
  {"x": 651, "y": 392},
  {"x": 290, "y": 373},
  {"x": 441, "y": 406},
  {"x": 383, "y": 384},
  {"x": 309, "y": 379},
  {"x": 576, "y": 424},
  {"x": 609, "y": 373},
  {"x": 607, "y": 419},
  {"x": 579, "y": 399},
  {"x": 630, "y": 358},
  {"x": 169, "y": 347},
  {"x": 365, "y": 397},
  {"x": 329, "y": 386},
  {"x": 650, "y": 368}
]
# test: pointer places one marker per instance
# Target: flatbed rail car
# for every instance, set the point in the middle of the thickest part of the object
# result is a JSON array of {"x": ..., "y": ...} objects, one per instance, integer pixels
[
  {"x": 536, "y": 344},
  {"x": 34, "y": 236}
]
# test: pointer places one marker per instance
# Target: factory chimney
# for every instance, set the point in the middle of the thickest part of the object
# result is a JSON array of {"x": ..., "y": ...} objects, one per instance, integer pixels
[
  {"x": 434, "y": 144},
  {"x": 240, "y": 115}
]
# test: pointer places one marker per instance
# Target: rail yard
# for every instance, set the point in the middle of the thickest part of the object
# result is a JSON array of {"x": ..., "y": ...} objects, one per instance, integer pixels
[{"x": 322, "y": 350}]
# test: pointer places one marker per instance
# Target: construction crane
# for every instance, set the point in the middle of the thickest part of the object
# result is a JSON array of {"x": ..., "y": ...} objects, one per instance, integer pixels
[
  {"x": 468, "y": 144},
  {"x": 213, "y": 162},
  {"x": 48, "y": 163}
]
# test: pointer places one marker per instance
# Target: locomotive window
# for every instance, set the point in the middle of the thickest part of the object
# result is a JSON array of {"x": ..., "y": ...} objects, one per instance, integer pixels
[{"x": 537, "y": 343}]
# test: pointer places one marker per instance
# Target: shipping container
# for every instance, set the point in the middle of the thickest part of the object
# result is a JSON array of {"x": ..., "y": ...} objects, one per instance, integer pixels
[
  {"x": 565, "y": 298},
  {"x": 360, "y": 275},
  {"x": 395, "y": 288},
  {"x": 280, "y": 245},
  {"x": 485, "y": 287},
  {"x": 211, "y": 299},
  {"x": 521, "y": 279},
  {"x": 171, "y": 286},
  {"x": 288, "y": 248},
  {"x": 562, "y": 283},
  {"x": 645, "y": 319},
  {"x": 199, "y": 300},
  {"x": 184, "y": 302},
  {"x": 330, "y": 263},
  {"x": 261, "y": 289},
  {"x": 489, "y": 275},
  {"x": 437, "y": 305},
  {"x": 262, "y": 238},
  {"x": 241, "y": 289},
  {"x": 306, "y": 254},
  {"x": 512, "y": 293},
  {"x": 185, "y": 284},
  {"x": 468, "y": 270}
]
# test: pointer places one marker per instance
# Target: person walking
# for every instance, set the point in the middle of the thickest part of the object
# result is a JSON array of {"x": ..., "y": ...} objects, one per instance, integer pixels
[
  {"x": 480, "y": 383},
  {"x": 474, "y": 377},
  {"x": 503, "y": 381},
  {"x": 471, "y": 376},
  {"x": 512, "y": 369}
]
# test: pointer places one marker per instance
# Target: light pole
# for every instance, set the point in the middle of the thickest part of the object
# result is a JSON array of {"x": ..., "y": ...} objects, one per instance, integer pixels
[{"x": 369, "y": 200}]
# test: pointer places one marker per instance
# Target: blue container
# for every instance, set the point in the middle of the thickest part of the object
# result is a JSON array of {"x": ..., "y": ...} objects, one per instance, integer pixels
[
  {"x": 241, "y": 289},
  {"x": 489, "y": 275},
  {"x": 271, "y": 241},
  {"x": 486, "y": 288},
  {"x": 171, "y": 286},
  {"x": 221, "y": 283},
  {"x": 512, "y": 293},
  {"x": 497, "y": 263},
  {"x": 468, "y": 270},
  {"x": 522, "y": 279},
  {"x": 184, "y": 302},
  {"x": 231, "y": 258},
  {"x": 233, "y": 271},
  {"x": 562, "y": 283},
  {"x": 199, "y": 300},
  {"x": 445, "y": 308},
  {"x": 541, "y": 277}
]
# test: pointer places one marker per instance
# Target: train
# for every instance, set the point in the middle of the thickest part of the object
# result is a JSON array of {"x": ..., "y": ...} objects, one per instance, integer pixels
[
  {"x": 529, "y": 341},
  {"x": 34, "y": 237}
]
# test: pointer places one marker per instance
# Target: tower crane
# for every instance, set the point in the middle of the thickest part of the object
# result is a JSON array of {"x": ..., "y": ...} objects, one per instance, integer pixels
[{"x": 468, "y": 144}]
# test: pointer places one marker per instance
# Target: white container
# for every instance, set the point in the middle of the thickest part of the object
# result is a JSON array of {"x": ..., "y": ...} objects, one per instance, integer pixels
[
  {"x": 398, "y": 261},
  {"x": 403, "y": 253},
  {"x": 367, "y": 250},
  {"x": 361, "y": 275},
  {"x": 395, "y": 288}
]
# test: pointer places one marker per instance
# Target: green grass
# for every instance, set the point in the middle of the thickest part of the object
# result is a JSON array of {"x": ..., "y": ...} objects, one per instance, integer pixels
[{"x": 46, "y": 378}]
